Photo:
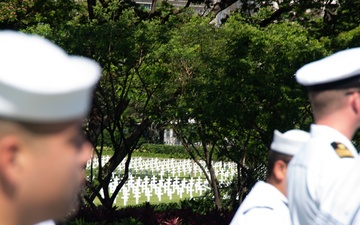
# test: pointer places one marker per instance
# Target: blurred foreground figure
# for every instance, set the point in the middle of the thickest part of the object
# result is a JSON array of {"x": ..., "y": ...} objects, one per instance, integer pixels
[
  {"x": 44, "y": 97},
  {"x": 334, "y": 93},
  {"x": 267, "y": 203}
]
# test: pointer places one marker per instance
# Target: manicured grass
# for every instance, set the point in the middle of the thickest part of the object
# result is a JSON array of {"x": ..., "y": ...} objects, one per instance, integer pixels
[{"x": 154, "y": 151}]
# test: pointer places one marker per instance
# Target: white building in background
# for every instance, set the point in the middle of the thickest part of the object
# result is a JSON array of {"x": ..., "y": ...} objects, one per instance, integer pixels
[
  {"x": 225, "y": 12},
  {"x": 170, "y": 137},
  {"x": 199, "y": 8}
]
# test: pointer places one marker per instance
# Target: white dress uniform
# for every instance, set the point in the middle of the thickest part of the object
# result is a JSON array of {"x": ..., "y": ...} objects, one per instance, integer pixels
[
  {"x": 263, "y": 205},
  {"x": 312, "y": 171},
  {"x": 342, "y": 203}
]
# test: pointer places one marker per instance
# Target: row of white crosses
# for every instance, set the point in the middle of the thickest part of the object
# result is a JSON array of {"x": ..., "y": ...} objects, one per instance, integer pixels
[
  {"x": 171, "y": 167},
  {"x": 170, "y": 186},
  {"x": 147, "y": 177}
]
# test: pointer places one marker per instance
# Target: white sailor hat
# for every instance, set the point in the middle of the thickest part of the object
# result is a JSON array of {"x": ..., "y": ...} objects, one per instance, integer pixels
[
  {"x": 39, "y": 82},
  {"x": 290, "y": 142},
  {"x": 337, "y": 71}
]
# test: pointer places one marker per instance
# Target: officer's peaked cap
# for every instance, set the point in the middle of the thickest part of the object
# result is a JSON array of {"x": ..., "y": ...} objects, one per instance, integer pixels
[{"x": 338, "y": 71}]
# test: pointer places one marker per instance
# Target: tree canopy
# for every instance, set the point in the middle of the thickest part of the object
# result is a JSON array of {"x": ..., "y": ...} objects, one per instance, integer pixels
[{"x": 222, "y": 89}]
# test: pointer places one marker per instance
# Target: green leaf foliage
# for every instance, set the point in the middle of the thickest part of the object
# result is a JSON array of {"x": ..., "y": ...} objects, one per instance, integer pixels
[{"x": 222, "y": 89}]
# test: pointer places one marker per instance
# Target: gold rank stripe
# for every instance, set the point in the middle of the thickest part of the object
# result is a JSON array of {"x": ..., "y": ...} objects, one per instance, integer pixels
[
  {"x": 341, "y": 150},
  {"x": 342, "y": 153}
]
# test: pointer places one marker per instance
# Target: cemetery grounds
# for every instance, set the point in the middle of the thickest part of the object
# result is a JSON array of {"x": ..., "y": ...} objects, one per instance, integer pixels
[{"x": 163, "y": 180}]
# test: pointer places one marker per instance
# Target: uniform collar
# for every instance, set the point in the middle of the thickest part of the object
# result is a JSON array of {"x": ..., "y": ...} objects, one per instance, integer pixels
[
  {"x": 331, "y": 134},
  {"x": 263, "y": 195}
]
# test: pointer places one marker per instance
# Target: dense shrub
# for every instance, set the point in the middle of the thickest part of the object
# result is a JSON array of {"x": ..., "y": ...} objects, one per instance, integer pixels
[
  {"x": 158, "y": 150},
  {"x": 167, "y": 151},
  {"x": 189, "y": 212}
]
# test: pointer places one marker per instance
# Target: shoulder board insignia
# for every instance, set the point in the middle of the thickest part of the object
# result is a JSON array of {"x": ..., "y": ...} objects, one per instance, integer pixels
[{"x": 341, "y": 150}]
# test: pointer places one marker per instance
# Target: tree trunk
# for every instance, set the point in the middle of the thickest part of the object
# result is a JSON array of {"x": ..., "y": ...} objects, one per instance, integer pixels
[
  {"x": 91, "y": 4},
  {"x": 215, "y": 187}
]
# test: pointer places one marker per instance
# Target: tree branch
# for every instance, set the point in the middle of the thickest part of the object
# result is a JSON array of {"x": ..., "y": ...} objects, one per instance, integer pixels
[{"x": 276, "y": 15}]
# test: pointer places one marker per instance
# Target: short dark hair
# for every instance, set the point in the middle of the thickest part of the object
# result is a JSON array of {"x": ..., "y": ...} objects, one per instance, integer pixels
[{"x": 273, "y": 157}]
